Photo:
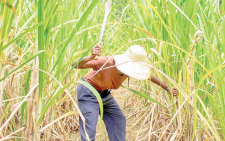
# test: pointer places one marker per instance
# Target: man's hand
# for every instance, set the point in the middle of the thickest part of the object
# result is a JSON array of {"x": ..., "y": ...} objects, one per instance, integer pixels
[
  {"x": 96, "y": 51},
  {"x": 83, "y": 63},
  {"x": 174, "y": 91}
]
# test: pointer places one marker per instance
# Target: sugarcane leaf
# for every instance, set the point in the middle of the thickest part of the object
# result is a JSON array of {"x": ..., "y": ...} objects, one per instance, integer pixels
[
  {"x": 145, "y": 96},
  {"x": 28, "y": 60}
]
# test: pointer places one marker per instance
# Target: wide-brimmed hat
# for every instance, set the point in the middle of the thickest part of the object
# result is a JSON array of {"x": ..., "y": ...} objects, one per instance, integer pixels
[{"x": 133, "y": 63}]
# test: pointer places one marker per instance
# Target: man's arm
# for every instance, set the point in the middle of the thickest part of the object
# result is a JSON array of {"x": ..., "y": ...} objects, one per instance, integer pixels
[
  {"x": 159, "y": 82},
  {"x": 83, "y": 63},
  {"x": 163, "y": 85}
]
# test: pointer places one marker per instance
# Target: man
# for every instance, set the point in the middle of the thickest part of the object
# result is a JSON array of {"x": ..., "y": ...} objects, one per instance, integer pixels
[{"x": 109, "y": 73}]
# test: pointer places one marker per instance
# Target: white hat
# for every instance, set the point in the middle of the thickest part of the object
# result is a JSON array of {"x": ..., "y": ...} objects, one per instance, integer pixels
[{"x": 133, "y": 63}]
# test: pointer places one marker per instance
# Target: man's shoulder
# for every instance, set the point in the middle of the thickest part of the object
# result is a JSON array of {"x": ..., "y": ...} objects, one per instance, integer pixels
[
  {"x": 106, "y": 59},
  {"x": 109, "y": 60}
]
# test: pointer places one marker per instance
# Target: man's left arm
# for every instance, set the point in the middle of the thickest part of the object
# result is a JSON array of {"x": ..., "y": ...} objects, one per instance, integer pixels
[{"x": 157, "y": 81}]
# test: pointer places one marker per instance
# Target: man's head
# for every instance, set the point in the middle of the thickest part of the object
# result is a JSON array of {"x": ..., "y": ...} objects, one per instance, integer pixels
[{"x": 133, "y": 63}]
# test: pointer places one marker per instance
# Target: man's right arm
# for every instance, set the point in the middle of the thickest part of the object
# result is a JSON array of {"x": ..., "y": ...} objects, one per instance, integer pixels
[{"x": 83, "y": 63}]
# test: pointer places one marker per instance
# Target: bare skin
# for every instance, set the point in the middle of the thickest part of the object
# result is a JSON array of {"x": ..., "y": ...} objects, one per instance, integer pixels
[{"x": 96, "y": 51}]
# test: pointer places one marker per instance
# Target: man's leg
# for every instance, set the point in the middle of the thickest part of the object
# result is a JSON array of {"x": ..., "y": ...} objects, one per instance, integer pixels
[
  {"x": 89, "y": 107},
  {"x": 114, "y": 119}
]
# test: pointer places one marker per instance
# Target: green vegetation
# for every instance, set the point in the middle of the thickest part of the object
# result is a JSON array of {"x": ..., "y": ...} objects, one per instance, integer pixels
[{"x": 184, "y": 40}]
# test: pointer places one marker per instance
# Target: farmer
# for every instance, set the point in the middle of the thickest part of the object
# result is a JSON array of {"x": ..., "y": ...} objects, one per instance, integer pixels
[{"x": 130, "y": 64}]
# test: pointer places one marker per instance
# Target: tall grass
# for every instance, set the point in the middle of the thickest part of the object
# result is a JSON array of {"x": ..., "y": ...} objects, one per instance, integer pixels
[{"x": 184, "y": 39}]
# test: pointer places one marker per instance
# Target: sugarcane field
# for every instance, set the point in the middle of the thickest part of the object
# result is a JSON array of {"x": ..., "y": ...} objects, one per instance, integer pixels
[{"x": 112, "y": 70}]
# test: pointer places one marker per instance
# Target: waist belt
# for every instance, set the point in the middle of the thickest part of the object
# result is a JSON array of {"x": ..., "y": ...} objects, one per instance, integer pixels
[{"x": 104, "y": 93}]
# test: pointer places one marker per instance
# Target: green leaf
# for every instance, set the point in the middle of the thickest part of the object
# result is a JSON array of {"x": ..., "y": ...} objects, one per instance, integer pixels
[
  {"x": 50, "y": 102},
  {"x": 28, "y": 60},
  {"x": 28, "y": 30},
  {"x": 78, "y": 25},
  {"x": 145, "y": 96}
]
